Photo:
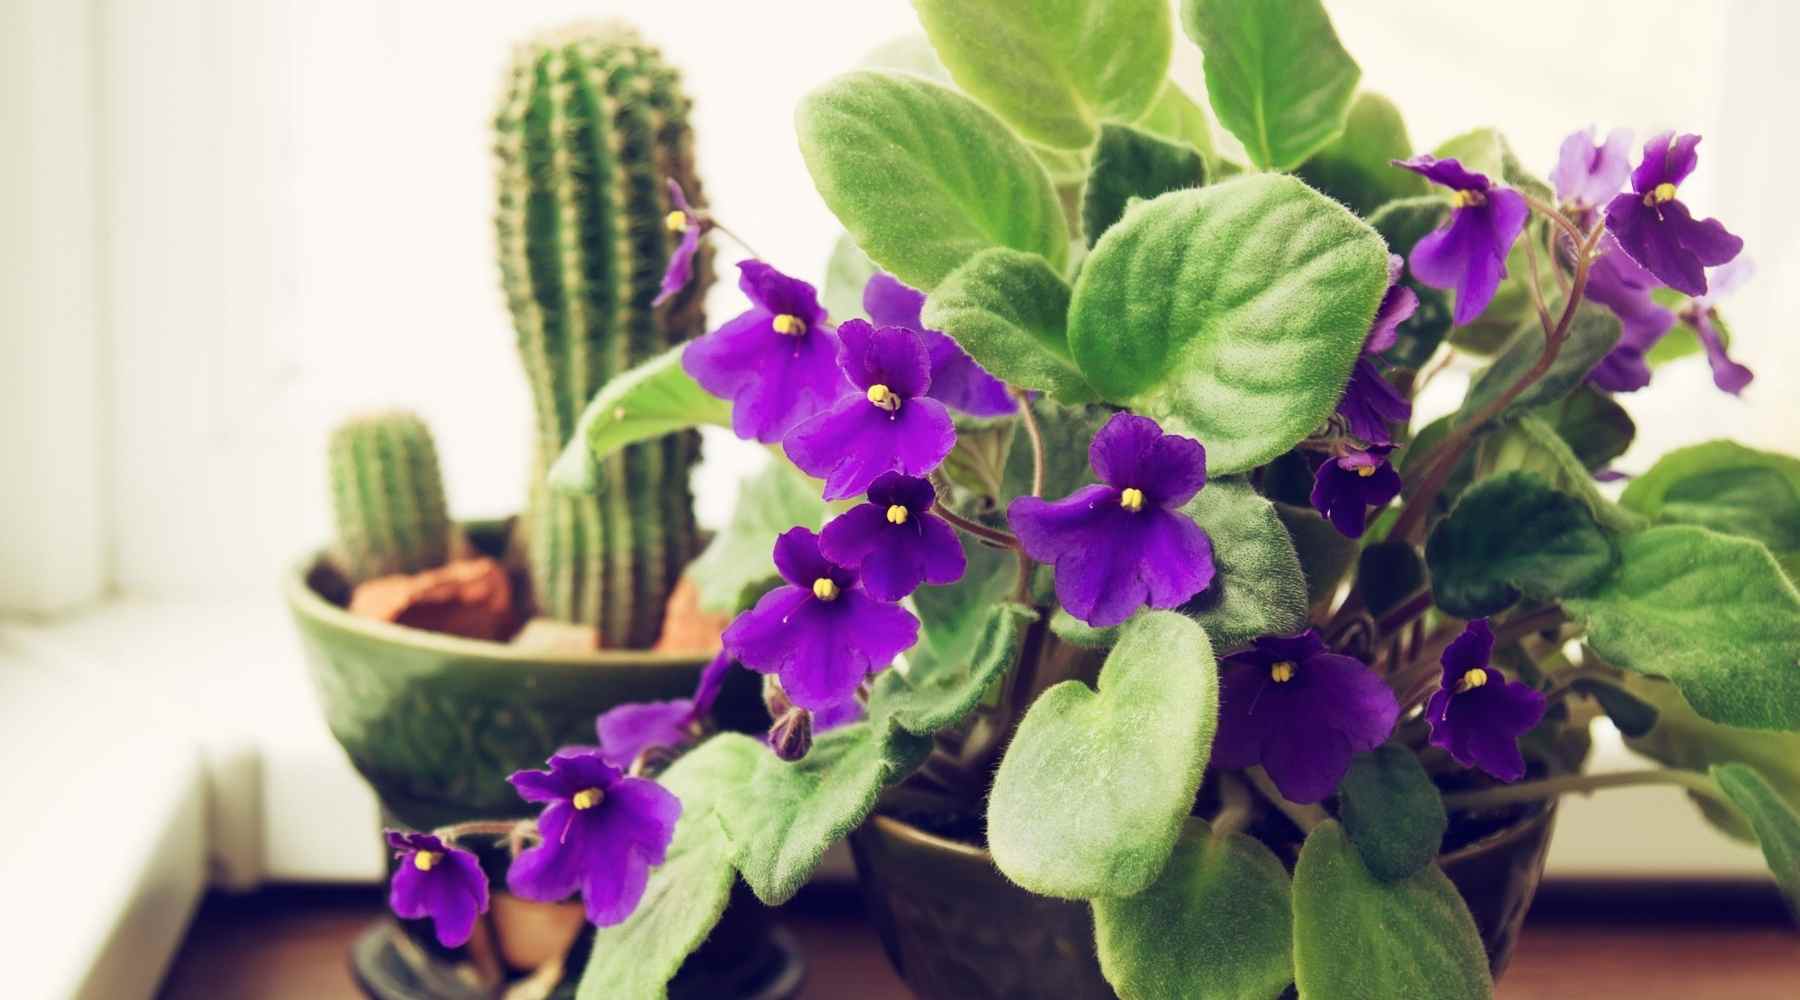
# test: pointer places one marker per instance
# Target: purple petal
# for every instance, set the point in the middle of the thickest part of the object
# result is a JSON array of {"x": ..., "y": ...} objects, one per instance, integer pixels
[
  {"x": 1132, "y": 451},
  {"x": 1307, "y": 768},
  {"x": 1587, "y": 174},
  {"x": 1669, "y": 242},
  {"x": 1467, "y": 651},
  {"x": 1668, "y": 159},
  {"x": 628, "y": 730},
  {"x": 1448, "y": 172},
  {"x": 612, "y": 891},
  {"x": 1111, "y": 561},
  {"x": 1481, "y": 727},
  {"x": 1469, "y": 255},
  {"x": 1618, "y": 283},
  {"x": 773, "y": 380},
  {"x": 837, "y": 716},
  {"x": 1342, "y": 495},
  {"x": 821, "y": 650},
  {"x": 453, "y": 893},
  {"x": 1727, "y": 374},
  {"x": 911, "y": 492},
  {"x": 1238, "y": 741},
  {"x": 1397, "y": 306},
  {"x": 958, "y": 382},
  {"x": 678, "y": 198},
  {"x": 891, "y": 302},
  {"x": 890, "y": 355},
  {"x": 893, "y": 559},
  {"x": 800, "y": 562},
  {"x": 777, "y": 293},
  {"x": 554, "y": 868},
  {"x": 711, "y": 680},
  {"x": 854, "y": 442},
  {"x": 1370, "y": 404},
  {"x": 1304, "y": 730},
  {"x": 1725, "y": 279},
  {"x": 540, "y": 786},
  {"x": 681, "y": 266}
]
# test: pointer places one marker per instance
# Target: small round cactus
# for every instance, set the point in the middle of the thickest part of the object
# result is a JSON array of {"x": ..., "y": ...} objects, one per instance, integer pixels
[{"x": 387, "y": 496}]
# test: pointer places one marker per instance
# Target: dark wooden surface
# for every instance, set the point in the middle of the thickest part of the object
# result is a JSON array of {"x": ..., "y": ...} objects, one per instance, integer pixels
[{"x": 1588, "y": 940}]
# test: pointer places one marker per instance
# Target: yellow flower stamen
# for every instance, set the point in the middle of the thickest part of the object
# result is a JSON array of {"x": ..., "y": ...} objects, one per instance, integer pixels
[
  {"x": 1472, "y": 680},
  {"x": 789, "y": 324},
  {"x": 1661, "y": 194},
  {"x": 825, "y": 589},
  {"x": 1131, "y": 498},
  {"x": 426, "y": 860},
  {"x": 883, "y": 397},
  {"x": 587, "y": 798},
  {"x": 1282, "y": 672},
  {"x": 896, "y": 514},
  {"x": 1365, "y": 471},
  {"x": 1467, "y": 199},
  {"x": 676, "y": 221}
]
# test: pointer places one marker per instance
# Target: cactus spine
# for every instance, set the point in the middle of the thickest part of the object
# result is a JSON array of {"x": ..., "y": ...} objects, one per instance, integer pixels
[
  {"x": 387, "y": 497},
  {"x": 590, "y": 125}
]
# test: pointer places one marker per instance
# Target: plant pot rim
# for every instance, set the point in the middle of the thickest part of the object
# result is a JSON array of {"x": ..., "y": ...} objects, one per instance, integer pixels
[
  {"x": 306, "y": 603},
  {"x": 893, "y": 826}
]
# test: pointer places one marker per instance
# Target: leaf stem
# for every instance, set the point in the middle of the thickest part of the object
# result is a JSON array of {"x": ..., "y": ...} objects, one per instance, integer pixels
[
  {"x": 1544, "y": 788},
  {"x": 1022, "y": 593},
  {"x": 1306, "y": 817},
  {"x": 1404, "y": 614},
  {"x": 1234, "y": 805},
  {"x": 981, "y": 531}
]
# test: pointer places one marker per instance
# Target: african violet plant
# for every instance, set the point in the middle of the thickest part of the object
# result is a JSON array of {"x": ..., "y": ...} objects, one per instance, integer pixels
[{"x": 1120, "y": 469}]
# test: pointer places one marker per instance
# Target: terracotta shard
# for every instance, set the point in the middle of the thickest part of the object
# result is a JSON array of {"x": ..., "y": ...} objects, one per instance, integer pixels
[{"x": 472, "y": 598}]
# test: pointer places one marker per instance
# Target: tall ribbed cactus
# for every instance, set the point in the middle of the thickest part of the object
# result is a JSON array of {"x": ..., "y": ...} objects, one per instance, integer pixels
[
  {"x": 387, "y": 496},
  {"x": 591, "y": 125}
]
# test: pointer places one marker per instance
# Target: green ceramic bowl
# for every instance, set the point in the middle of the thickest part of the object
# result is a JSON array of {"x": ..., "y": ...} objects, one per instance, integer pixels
[{"x": 436, "y": 722}]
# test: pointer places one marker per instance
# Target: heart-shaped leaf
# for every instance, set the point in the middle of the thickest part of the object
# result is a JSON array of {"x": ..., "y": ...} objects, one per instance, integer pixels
[
  {"x": 1527, "y": 444},
  {"x": 1729, "y": 488},
  {"x": 1132, "y": 164},
  {"x": 934, "y": 694},
  {"x": 1681, "y": 738},
  {"x": 1593, "y": 424},
  {"x": 1711, "y": 612},
  {"x": 1257, "y": 587},
  {"x": 1008, "y": 310},
  {"x": 1515, "y": 534},
  {"x": 782, "y": 816},
  {"x": 648, "y": 401},
  {"x": 1091, "y": 795},
  {"x": 1215, "y": 925},
  {"x": 1357, "y": 168},
  {"x": 1774, "y": 819},
  {"x": 1592, "y": 333},
  {"x": 1278, "y": 78},
  {"x": 1357, "y": 937},
  {"x": 738, "y": 557},
  {"x": 924, "y": 178},
  {"x": 1054, "y": 70},
  {"x": 1392, "y": 812},
  {"x": 1232, "y": 313}
]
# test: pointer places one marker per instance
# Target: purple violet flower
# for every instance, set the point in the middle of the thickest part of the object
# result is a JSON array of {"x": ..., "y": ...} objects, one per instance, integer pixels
[
  {"x": 1587, "y": 175},
  {"x": 891, "y": 426},
  {"x": 1618, "y": 283},
  {"x": 1301, "y": 712},
  {"x": 438, "y": 881},
  {"x": 602, "y": 832},
  {"x": 1655, "y": 227},
  {"x": 893, "y": 541},
  {"x": 1397, "y": 306},
  {"x": 1477, "y": 714},
  {"x": 956, "y": 380},
  {"x": 691, "y": 224},
  {"x": 777, "y": 362},
  {"x": 1345, "y": 487},
  {"x": 1700, "y": 314},
  {"x": 821, "y": 634},
  {"x": 1371, "y": 403},
  {"x": 1468, "y": 255},
  {"x": 628, "y": 730},
  {"x": 1124, "y": 542}
]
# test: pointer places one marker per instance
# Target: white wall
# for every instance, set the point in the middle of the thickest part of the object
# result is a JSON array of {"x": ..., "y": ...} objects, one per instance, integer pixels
[{"x": 297, "y": 200}]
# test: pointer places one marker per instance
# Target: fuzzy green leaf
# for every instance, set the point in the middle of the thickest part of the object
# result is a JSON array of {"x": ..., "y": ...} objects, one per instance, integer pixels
[
  {"x": 846, "y": 272},
  {"x": 1258, "y": 587},
  {"x": 1359, "y": 938},
  {"x": 741, "y": 554},
  {"x": 782, "y": 816},
  {"x": 951, "y": 618},
  {"x": 1592, "y": 333},
  {"x": 1729, "y": 488},
  {"x": 1054, "y": 68},
  {"x": 685, "y": 895},
  {"x": 1278, "y": 78},
  {"x": 977, "y": 463},
  {"x": 1515, "y": 534},
  {"x": 1593, "y": 424},
  {"x": 1632, "y": 715},
  {"x": 1711, "y": 612},
  {"x": 1325, "y": 554},
  {"x": 1355, "y": 167},
  {"x": 1232, "y": 314},
  {"x": 653, "y": 399},
  {"x": 1008, "y": 310},
  {"x": 1681, "y": 738},
  {"x": 1092, "y": 793},
  {"x": 1132, "y": 164},
  {"x": 1175, "y": 116},
  {"x": 924, "y": 178},
  {"x": 1215, "y": 925},
  {"x": 1774, "y": 819},
  {"x": 933, "y": 694},
  {"x": 1527, "y": 444},
  {"x": 1392, "y": 812}
]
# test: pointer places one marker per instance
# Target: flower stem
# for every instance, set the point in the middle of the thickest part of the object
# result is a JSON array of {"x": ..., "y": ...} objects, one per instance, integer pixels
[
  {"x": 478, "y": 828},
  {"x": 981, "y": 531},
  {"x": 1234, "y": 805},
  {"x": 1404, "y": 614},
  {"x": 735, "y": 238},
  {"x": 1306, "y": 817},
  {"x": 1022, "y": 593},
  {"x": 1537, "y": 289},
  {"x": 1544, "y": 788}
]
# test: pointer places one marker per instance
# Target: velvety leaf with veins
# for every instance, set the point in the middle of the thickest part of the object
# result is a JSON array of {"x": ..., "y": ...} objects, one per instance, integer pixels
[
  {"x": 1231, "y": 314},
  {"x": 653, "y": 399},
  {"x": 1054, "y": 69},
  {"x": 1276, "y": 73},
  {"x": 1009, "y": 311},
  {"x": 1131, "y": 164},
  {"x": 1357, "y": 937},
  {"x": 1257, "y": 587},
  {"x": 1592, "y": 333},
  {"x": 1592, "y": 423},
  {"x": 932, "y": 694},
  {"x": 1528, "y": 444},
  {"x": 1711, "y": 612},
  {"x": 1356, "y": 167},
  {"x": 1729, "y": 488},
  {"x": 1392, "y": 812},
  {"x": 924, "y": 178},
  {"x": 1510, "y": 535},
  {"x": 1775, "y": 820},
  {"x": 1215, "y": 925},
  {"x": 1094, "y": 788}
]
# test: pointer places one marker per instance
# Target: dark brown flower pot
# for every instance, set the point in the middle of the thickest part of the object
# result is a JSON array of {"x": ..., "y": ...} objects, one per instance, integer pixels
[{"x": 956, "y": 929}]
